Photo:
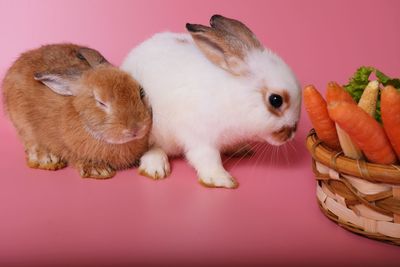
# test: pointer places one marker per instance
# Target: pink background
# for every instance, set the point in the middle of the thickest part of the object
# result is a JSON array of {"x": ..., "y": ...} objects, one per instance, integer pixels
[{"x": 57, "y": 218}]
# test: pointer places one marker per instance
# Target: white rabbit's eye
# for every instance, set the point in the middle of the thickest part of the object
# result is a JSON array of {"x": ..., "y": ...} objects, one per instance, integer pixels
[
  {"x": 141, "y": 92},
  {"x": 275, "y": 100}
]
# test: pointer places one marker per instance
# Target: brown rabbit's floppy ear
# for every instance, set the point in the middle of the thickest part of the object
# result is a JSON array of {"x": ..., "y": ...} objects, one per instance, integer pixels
[
  {"x": 93, "y": 57},
  {"x": 221, "y": 48},
  {"x": 237, "y": 29},
  {"x": 62, "y": 83}
]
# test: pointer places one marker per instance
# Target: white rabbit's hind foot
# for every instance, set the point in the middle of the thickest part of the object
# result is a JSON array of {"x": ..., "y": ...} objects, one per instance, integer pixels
[
  {"x": 219, "y": 181},
  {"x": 154, "y": 164},
  {"x": 38, "y": 159}
]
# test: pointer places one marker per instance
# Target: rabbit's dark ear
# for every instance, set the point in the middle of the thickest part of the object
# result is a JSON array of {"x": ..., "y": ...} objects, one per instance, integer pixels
[
  {"x": 236, "y": 28},
  {"x": 221, "y": 48},
  {"x": 93, "y": 57},
  {"x": 60, "y": 82}
]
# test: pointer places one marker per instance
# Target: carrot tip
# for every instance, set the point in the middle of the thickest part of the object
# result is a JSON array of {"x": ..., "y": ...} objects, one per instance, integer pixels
[
  {"x": 388, "y": 87},
  {"x": 308, "y": 87},
  {"x": 332, "y": 83}
]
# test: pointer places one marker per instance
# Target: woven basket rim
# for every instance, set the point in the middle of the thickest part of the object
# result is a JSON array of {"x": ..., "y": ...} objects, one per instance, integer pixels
[{"x": 372, "y": 172}]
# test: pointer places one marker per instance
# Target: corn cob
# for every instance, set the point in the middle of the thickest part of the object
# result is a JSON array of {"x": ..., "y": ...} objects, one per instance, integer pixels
[
  {"x": 369, "y": 98},
  {"x": 350, "y": 149}
]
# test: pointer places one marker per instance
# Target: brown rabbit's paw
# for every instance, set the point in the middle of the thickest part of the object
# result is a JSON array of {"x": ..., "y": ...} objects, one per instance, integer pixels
[
  {"x": 222, "y": 182},
  {"x": 43, "y": 160},
  {"x": 96, "y": 172}
]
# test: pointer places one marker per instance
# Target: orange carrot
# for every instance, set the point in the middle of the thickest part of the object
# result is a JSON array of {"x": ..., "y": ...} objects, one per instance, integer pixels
[
  {"x": 390, "y": 113},
  {"x": 318, "y": 113},
  {"x": 335, "y": 92},
  {"x": 364, "y": 130}
]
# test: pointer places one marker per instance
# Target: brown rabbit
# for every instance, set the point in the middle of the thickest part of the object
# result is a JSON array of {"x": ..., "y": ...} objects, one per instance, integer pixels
[{"x": 69, "y": 105}]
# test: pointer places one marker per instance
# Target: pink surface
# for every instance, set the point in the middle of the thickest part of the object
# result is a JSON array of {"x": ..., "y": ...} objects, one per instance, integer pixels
[{"x": 57, "y": 218}]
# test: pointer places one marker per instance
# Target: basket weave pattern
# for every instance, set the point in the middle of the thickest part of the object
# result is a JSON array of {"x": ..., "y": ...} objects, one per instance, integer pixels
[{"x": 359, "y": 196}]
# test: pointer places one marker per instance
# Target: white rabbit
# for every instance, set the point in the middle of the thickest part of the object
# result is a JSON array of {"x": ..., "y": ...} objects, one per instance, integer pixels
[{"x": 210, "y": 90}]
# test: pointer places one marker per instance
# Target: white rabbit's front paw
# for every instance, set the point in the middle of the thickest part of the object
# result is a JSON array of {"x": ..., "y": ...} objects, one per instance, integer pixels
[
  {"x": 220, "y": 180},
  {"x": 207, "y": 162},
  {"x": 154, "y": 164}
]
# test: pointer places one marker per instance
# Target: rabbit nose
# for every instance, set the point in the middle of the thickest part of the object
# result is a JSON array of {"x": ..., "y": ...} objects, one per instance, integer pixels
[
  {"x": 285, "y": 133},
  {"x": 135, "y": 131}
]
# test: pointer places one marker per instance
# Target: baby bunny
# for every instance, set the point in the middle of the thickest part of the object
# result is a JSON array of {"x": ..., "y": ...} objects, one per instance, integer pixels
[
  {"x": 69, "y": 105},
  {"x": 211, "y": 89}
]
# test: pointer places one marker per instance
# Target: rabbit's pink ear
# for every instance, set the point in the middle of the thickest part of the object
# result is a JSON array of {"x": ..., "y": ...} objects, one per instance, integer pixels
[
  {"x": 60, "y": 82},
  {"x": 93, "y": 57},
  {"x": 237, "y": 29},
  {"x": 221, "y": 48}
]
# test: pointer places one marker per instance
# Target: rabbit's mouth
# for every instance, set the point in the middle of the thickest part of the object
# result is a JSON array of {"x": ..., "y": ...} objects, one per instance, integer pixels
[{"x": 283, "y": 135}]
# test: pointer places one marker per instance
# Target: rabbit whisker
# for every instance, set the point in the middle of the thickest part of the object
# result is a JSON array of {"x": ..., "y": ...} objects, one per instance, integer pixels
[
  {"x": 238, "y": 151},
  {"x": 261, "y": 149},
  {"x": 243, "y": 156}
]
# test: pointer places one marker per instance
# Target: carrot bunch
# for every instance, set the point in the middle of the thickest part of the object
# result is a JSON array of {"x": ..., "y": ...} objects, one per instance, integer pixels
[{"x": 342, "y": 123}]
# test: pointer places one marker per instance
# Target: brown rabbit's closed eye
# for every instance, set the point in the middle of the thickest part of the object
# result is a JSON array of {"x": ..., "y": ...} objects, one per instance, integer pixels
[{"x": 102, "y": 104}]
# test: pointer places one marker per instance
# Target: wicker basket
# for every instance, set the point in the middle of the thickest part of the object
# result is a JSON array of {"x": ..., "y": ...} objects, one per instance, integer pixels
[{"x": 361, "y": 197}]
